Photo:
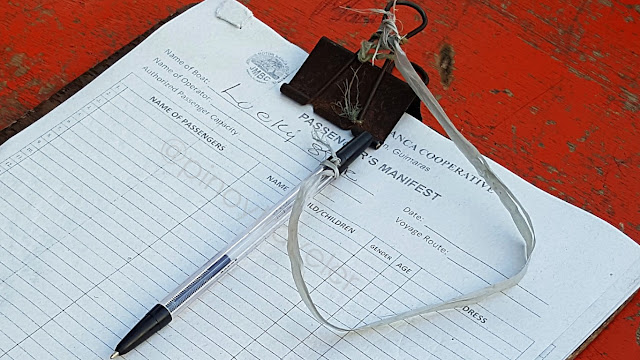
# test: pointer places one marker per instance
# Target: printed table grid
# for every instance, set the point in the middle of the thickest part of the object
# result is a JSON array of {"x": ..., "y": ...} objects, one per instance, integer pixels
[{"x": 127, "y": 196}]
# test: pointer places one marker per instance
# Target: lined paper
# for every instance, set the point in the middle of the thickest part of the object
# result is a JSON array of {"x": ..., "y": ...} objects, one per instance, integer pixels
[{"x": 119, "y": 194}]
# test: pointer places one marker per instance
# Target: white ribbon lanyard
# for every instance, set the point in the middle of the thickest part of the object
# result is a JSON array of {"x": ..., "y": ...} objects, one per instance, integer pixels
[{"x": 391, "y": 40}]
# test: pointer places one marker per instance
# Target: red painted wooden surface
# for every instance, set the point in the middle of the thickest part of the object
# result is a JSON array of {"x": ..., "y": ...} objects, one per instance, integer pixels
[{"x": 547, "y": 88}]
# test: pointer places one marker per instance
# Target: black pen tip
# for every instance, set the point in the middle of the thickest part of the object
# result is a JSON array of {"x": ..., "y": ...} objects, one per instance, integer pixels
[{"x": 114, "y": 355}]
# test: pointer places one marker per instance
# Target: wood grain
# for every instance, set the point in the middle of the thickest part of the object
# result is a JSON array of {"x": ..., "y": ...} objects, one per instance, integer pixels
[{"x": 548, "y": 89}]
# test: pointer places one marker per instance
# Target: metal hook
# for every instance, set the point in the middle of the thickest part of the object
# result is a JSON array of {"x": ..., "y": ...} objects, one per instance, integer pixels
[
  {"x": 414, "y": 6},
  {"x": 388, "y": 63}
]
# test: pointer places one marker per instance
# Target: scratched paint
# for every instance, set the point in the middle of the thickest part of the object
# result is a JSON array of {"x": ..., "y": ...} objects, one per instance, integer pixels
[{"x": 547, "y": 88}]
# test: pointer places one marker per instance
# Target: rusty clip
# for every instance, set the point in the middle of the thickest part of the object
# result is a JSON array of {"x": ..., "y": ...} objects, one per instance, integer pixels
[{"x": 354, "y": 95}]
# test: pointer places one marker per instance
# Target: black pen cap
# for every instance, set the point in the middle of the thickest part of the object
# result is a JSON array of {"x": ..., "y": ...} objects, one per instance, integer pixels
[
  {"x": 157, "y": 318},
  {"x": 356, "y": 146}
]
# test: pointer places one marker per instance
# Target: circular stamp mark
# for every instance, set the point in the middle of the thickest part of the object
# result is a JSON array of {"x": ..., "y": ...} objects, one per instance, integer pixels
[{"x": 266, "y": 67}]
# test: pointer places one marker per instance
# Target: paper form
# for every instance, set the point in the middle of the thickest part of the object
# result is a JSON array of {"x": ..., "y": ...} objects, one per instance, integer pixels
[{"x": 120, "y": 193}]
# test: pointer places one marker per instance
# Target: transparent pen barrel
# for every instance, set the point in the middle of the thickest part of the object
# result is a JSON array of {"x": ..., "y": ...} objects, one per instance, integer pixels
[{"x": 213, "y": 269}]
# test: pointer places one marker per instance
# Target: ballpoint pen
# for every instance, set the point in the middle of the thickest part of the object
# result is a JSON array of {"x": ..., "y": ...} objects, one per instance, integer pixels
[{"x": 162, "y": 313}]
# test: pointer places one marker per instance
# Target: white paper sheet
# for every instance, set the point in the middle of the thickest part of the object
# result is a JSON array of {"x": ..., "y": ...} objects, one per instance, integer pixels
[{"x": 121, "y": 192}]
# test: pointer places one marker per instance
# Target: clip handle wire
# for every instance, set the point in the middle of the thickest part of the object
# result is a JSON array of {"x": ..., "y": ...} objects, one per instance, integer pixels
[
  {"x": 415, "y": 7},
  {"x": 388, "y": 63}
]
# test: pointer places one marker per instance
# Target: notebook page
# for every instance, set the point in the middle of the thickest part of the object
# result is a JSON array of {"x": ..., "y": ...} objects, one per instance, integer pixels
[{"x": 120, "y": 193}]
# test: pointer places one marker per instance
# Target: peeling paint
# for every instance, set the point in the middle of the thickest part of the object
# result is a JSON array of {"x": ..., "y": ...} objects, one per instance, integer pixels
[
  {"x": 16, "y": 60},
  {"x": 606, "y": 3},
  {"x": 445, "y": 65},
  {"x": 587, "y": 134},
  {"x": 631, "y": 101},
  {"x": 46, "y": 89},
  {"x": 506, "y": 91},
  {"x": 579, "y": 74}
]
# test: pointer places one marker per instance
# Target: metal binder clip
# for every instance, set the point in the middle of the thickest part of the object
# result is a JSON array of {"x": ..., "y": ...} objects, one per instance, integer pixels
[{"x": 355, "y": 95}]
